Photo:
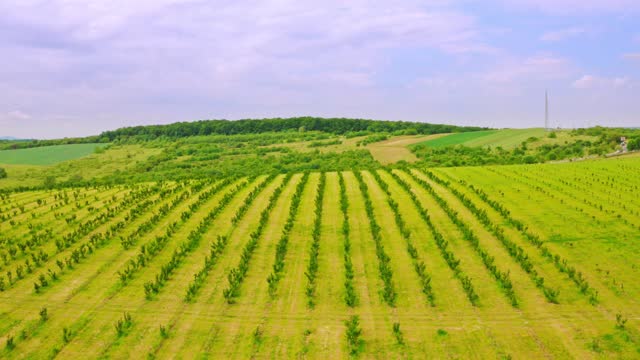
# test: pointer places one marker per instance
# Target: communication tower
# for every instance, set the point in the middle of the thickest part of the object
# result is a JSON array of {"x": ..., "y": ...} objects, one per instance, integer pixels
[{"x": 546, "y": 111}]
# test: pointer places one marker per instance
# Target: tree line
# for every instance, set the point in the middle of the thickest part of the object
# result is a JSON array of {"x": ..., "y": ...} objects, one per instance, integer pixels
[{"x": 339, "y": 126}]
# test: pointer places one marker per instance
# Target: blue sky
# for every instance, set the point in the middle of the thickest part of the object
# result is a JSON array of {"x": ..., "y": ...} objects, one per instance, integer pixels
[{"x": 78, "y": 67}]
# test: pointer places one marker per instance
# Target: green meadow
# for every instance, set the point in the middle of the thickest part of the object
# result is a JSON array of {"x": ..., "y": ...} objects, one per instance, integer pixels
[
  {"x": 312, "y": 244},
  {"x": 487, "y": 262},
  {"x": 47, "y": 155},
  {"x": 458, "y": 138}
]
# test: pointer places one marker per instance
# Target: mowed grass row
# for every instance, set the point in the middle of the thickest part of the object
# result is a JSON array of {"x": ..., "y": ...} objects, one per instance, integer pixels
[{"x": 394, "y": 220}]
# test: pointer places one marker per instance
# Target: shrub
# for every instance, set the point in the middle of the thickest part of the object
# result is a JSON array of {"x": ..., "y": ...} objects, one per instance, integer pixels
[
  {"x": 398, "y": 333},
  {"x": 49, "y": 182},
  {"x": 164, "y": 332},
  {"x": 3, "y": 173},
  {"x": 124, "y": 324},
  {"x": 10, "y": 343},
  {"x": 43, "y": 314},
  {"x": 621, "y": 321},
  {"x": 353, "y": 334},
  {"x": 66, "y": 335}
]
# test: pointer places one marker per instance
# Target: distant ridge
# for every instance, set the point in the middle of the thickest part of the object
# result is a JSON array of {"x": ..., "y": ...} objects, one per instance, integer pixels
[{"x": 9, "y": 138}]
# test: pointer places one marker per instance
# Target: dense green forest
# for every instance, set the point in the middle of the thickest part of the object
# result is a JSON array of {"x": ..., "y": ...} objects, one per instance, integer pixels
[{"x": 336, "y": 126}]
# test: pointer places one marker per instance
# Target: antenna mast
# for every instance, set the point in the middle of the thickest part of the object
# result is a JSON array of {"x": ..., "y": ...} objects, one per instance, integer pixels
[{"x": 546, "y": 111}]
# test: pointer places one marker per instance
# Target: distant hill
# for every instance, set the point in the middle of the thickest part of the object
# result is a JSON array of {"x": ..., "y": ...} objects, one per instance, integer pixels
[
  {"x": 337, "y": 126},
  {"x": 9, "y": 138}
]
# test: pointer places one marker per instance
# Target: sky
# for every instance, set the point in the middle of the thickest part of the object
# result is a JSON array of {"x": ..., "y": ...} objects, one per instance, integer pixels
[{"x": 78, "y": 67}]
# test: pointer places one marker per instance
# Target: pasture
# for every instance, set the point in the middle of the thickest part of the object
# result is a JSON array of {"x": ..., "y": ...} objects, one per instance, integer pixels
[
  {"x": 458, "y": 138},
  {"x": 396, "y": 149},
  {"x": 47, "y": 155},
  {"x": 505, "y": 138},
  {"x": 116, "y": 160},
  {"x": 527, "y": 261}
]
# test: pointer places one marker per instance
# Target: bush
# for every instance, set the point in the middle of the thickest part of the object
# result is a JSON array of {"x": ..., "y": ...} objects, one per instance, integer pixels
[
  {"x": 124, "y": 324},
  {"x": 621, "y": 321},
  {"x": 398, "y": 333},
  {"x": 353, "y": 334},
  {"x": 10, "y": 343},
  {"x": 3, "y": 173},
  {"x": 44, "y": 316},
  {"x": 49, "y": 182}
]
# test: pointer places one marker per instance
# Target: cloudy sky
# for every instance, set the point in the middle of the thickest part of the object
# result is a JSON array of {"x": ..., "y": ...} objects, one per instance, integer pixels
[{"x": 78, "y": 67}]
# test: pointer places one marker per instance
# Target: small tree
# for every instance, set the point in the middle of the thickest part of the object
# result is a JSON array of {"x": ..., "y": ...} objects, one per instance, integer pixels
[
  {"x": 621, "y": 321},
  {"x": 398, "y": 333},
  {"x": 66, "y": 335},
  {"x": 49, "y": 182},
  {"x": 75, "y": 179},
  {"x": 353, "y": 335},
  {"x": 43, "y": 314},
  {"x": 10, "y": 343},
  {"x": 3, "y": 173}
]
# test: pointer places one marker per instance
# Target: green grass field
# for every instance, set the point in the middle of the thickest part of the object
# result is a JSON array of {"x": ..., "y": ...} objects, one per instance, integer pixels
[
  {"x": 459, "y": 138},
  {"x": 47, "y": 155},
  {"x": 396, "y": 148},
  {"x": 522, "y": 262},
  {"x": 114, "y": 160},
  {"x": 506, "y": 138}
]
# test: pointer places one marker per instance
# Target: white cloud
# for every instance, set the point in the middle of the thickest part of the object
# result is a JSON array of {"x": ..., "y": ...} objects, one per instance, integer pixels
[
  {"x": 17, "y": 115},
  {"x": 109, "y": 64},
  {"x": 165, "y": 60},
  {"x": 533, "y": 68},
  {"x": 632, "y": 56},
  {"x": 599, "y": 82},
  {"x": 575, "y": 7},
  {"x": 563, "y": 34}
]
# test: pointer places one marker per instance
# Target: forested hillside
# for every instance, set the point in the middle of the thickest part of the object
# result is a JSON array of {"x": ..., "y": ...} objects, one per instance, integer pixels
[{"x": 335, "y": 126}]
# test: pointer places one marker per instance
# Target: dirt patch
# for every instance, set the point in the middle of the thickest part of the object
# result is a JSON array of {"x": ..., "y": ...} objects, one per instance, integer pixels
[{"x": 395, "y": 149}]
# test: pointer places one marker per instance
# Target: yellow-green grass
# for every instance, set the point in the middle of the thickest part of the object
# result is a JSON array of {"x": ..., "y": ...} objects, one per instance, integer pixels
[
  {"x": 47, "y": 155},
  {"x": 345, "y": 144},
  {"x": 393, "y": 150},
  {"x": 560, "y": 203},
  {"x": 396, "y": 148},
  {"x": 113, "y": 160},
  {"x": 389, "y": 151},
  {"x": 506, "y": 138},
  {"x": 458, "y": 138}
]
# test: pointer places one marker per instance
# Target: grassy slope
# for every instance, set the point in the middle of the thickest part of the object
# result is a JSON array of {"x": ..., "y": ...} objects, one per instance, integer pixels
[
  {"x": 115, "y": 159},
  {"x": 396, "y": 148},
  {"x": 458, "y": 138},
  {"x": 47, "y": 155},
  {"x": 88, "y": 300},
  {"x": 507, "y": 138}
]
